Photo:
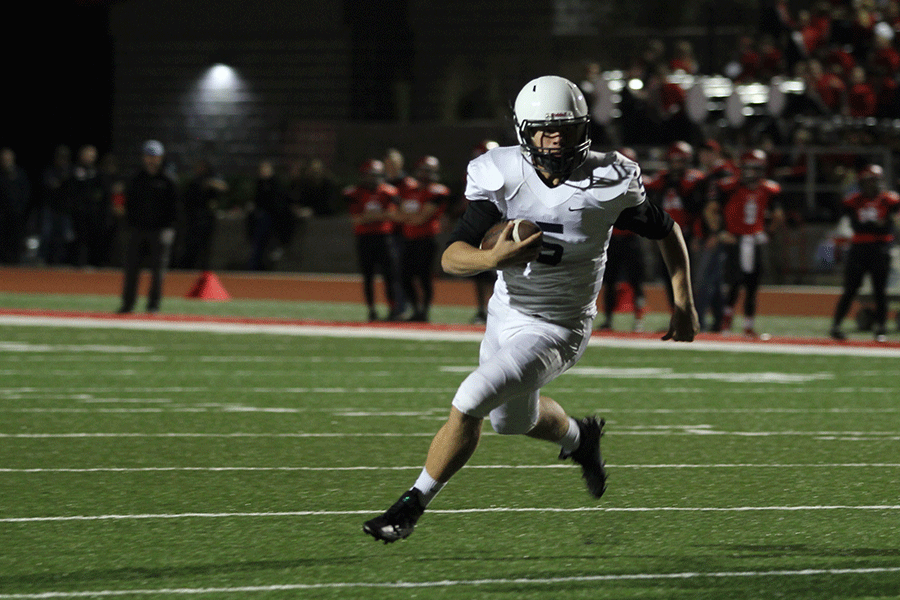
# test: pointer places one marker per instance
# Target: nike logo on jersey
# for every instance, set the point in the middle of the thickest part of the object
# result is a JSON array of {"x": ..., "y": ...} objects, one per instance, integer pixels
[{"x": 575, "y": 209}]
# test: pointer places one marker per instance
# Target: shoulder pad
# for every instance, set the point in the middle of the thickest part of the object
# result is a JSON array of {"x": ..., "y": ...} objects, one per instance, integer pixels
[{"x": 484, "y": 170}]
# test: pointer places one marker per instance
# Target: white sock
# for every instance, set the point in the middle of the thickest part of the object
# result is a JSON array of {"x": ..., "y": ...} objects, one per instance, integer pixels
[
  {"x": 572, "y": 439},
  {"x": 429, "y": 486}
]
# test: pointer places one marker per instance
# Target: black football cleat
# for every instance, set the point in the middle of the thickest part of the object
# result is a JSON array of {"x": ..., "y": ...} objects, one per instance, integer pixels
[
  {"x": 593, "y": 468},
  {"x": 398, "y": 521}
]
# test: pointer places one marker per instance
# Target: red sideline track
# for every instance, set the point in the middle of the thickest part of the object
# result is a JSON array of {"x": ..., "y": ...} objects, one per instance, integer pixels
[
  {"x": 781, "y": 301},
  {"x": 775, "y": 301}
]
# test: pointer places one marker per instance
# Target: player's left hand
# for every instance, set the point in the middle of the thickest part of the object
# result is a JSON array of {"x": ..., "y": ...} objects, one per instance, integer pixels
[{"x": 683, "y": 325}]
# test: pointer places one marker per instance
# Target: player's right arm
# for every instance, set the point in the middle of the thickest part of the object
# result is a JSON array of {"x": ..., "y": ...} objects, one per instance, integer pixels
[{"x": 463, "y": 257}]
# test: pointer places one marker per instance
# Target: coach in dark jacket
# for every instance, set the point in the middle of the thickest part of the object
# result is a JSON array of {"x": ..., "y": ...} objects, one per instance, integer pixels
[{"x": 151, "y": 208}]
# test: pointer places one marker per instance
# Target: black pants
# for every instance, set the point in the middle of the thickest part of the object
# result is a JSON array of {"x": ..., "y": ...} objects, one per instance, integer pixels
[
  {"x": 150, "y": 247},
  {"x": 874, "y": 259},
  {"x": 416, "y": 272},
  {"x": 736, "y": 278},
  {"x": 374, "y": 256}
]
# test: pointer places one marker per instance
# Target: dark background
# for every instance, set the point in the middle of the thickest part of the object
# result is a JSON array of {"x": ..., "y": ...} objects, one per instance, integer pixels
[{"x": 58, "y": 79}]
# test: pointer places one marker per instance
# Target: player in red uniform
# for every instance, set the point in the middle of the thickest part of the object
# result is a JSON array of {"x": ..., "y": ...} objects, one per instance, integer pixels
[
  {"x": 748, "y": 202},
  {"x": 422, "y": 202},
  {"x": 871, "y": 211},
  {"x": 676, "y": 189},
  {"x": 372, "y": 203}
]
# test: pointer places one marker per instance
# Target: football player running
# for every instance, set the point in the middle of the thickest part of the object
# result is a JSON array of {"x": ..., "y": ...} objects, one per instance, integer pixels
[{"x": 545, "y": 299}]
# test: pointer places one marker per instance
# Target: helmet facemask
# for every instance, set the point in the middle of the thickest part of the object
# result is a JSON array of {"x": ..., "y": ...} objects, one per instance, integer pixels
[
  {"x": 557, "y": 161},
  {"x": 553, "y": 105}
]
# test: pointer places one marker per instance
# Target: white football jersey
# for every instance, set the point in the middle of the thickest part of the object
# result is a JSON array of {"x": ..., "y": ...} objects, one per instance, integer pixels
[{"x": 576, "y": 218}]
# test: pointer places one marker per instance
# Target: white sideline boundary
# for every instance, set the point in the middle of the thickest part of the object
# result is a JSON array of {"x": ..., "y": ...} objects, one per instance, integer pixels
[
  {"x": 459, "y": 511},
  {"x": 419, "y": 468},
  {"x": 448, "y": 583},
  {"x": 425, "y": 334}
]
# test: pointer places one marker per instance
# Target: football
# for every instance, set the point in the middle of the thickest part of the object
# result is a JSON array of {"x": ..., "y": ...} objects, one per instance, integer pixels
[{"x": 522, "y": 229}]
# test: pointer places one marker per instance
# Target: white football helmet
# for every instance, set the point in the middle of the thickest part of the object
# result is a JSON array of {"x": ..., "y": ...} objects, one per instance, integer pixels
[{"x": 553, "y": 102}]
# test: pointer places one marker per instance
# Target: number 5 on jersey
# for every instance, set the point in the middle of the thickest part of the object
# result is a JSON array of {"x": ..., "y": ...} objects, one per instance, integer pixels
[{"x": 551, "y": 254}]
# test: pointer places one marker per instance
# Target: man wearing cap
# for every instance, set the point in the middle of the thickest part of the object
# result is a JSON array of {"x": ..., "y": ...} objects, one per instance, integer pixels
[{"x": 151, "y": 205}]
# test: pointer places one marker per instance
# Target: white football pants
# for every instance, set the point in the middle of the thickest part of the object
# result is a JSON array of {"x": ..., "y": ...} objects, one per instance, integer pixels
[{"x": 519, "y": 355}]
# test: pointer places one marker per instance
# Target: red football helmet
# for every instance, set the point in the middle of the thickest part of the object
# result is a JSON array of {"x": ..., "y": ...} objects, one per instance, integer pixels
[
  {"x": 753, "y": 158},
  {"x": 427, "y": 168},
  {"x": 681, "y": 150},
  {"x": 483, "y": 147},
  {"x": 372, "y": 167},
  {"x": 870, "y": 172}
]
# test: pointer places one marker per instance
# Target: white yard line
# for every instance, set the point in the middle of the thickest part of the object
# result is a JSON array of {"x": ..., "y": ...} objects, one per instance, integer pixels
[
  {"x": 460, "y": 511},
  {"x": 428, "y": 334},
  {"x": 468, "y": 467},
  {"x": 518, "y": 582},
  {"x": 685, "y": 430}
]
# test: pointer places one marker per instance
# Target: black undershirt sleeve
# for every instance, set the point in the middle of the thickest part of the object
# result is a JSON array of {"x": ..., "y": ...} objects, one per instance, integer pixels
[
  {"x": 647, "y": 220},
  {"x": 480, "y": 216}
]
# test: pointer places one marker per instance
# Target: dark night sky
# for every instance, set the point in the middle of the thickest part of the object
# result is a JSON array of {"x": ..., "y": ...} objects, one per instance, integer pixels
[{"x": 58, "y": 81}]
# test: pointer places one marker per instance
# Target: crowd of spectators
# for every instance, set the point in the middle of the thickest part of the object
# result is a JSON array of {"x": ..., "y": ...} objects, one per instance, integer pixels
[
  {"x": 73, "y": 215},
  {"x": 841, "y": 57}
]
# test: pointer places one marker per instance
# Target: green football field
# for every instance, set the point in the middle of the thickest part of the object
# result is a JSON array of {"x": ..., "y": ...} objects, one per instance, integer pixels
[{"x": 219, "y": 463}]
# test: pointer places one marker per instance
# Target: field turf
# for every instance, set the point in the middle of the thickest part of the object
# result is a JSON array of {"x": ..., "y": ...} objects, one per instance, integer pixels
[{"x": 225, "y": 464}]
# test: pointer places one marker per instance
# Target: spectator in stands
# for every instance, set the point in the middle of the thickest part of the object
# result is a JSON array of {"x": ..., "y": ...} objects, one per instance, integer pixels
[
  {"x": 56, "y": 231},
  {"x": 830, "y": 86},
  {"x": 749, "y": 207},
  {"x": 884, "y": 60},
  {"x": 749, "y": 62},
  {"x": 639, "y": 123},
  {"x": 771, "y": 59},
  {"x": 791, "y": 170},
  {"x": 861, "y": 99},
  {"x": 862, "y": 29},
  {"x": 90, "y": 213},
  {"x": 873, "y": 215},
  {"x": 812, "y": 29},
  {"x": 708, "y": 251},
  {"x": 371, "y": 204},
  {"x": 598, "y": 97},
  {"x": 422, "y": 201},
  {"x": 201, "y": 200},
  {"x": 151, "y": 209},
  {"x": 15, "y": 198},
  {"x": 683, "y": 59},
  {"x": 269, "y": 207},
  {"x": 316, "y": 190},
  {"x": 114, "y": 201}
]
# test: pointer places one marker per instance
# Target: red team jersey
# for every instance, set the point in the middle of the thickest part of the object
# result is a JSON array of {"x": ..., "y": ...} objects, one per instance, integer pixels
[
  {"x": 414, "y": 196},
  {"x": 362, "y": 200},
  {"x": 870, "y": 216},
  {"x": 676, "y": 198},
  {"x": 745, "y": 209}
]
